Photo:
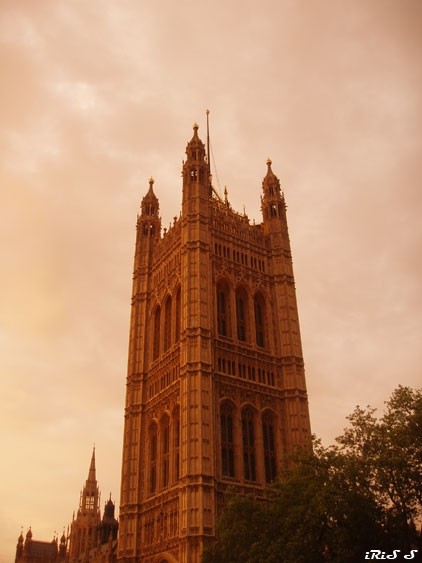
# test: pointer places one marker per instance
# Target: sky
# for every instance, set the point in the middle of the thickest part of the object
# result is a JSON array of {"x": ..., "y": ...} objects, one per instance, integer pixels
[{"x": 96, "y": 97}]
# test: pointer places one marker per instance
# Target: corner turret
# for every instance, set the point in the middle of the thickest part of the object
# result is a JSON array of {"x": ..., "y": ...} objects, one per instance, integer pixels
[
  {"x": 272, "y": 201},
  {"x": 149, "y": 221},
  {"x": 19, "y": 547},
  {"x": 196, "y": 181}
]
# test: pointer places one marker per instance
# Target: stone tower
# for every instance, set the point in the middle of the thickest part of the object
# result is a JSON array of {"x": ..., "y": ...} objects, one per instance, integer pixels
[
  {"x": 216, "y": 392},
  {"x": 84, "y": 528}
]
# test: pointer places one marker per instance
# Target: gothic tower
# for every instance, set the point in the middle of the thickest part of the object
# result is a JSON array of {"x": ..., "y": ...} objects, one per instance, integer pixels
[
  {"x": 216, "y": 393},
  {"x": 84, "y": 528}
]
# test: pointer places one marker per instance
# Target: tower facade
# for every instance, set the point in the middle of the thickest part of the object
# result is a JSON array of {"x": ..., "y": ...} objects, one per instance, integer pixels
[{"x": 216, "y": 393}]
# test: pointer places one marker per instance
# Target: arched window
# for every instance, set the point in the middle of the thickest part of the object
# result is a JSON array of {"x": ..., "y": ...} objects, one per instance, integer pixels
[
  {"x": 165, "y": 450},
  {"x": 241, "y": 314},
  {"x": 269, "y": 447},
  {"x": 176, "y": 443},
  {"x": 156, "y": 345},
  {"x": 223, "y": 309},
  {"x": 259, "y": 310},
  {"x": 227, "y": 443},
  {"x": 167, "y": 324},
  {"x": 178, "y": 315},
  {"x": 248, "y": 440},
  {"x": 153, "y": 458}
]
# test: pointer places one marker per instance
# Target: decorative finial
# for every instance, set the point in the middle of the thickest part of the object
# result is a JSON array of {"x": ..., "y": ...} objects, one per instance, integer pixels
[
  {"x": 269, "y": 161},
  {"x": 151, "y": 181},
  {"x": 195, "y": 126}
]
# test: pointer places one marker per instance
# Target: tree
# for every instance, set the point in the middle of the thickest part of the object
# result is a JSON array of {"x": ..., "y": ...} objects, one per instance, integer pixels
[
  {"x": 385, "y": 458},
  {"x": 240, "y": 526},
  {"x": 334, "y": 504}
]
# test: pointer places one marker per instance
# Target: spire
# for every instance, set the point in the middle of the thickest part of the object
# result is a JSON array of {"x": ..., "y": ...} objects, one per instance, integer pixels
[
  {"x": 150, "y": 205},
  {"x": 91, "y": 473},
  {"x": 270, "y": 183},
  {"x": 269, "y": 171},
  {"x": 195, "y": 149},
  {"x": 150, "y": 193},
  {"x": 89, "y": 500}
]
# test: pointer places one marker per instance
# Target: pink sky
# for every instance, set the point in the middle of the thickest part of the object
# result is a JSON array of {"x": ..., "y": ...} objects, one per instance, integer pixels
[{"x": 98, "y": 96}]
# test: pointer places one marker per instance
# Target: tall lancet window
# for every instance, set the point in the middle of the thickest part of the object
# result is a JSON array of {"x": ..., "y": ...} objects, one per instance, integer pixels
[
  {"x": 178, "y": 314},
  {"x": 227, "y": 443},
  {"x": 153, "y": 458},
  {"x": 167, "y": 324},
  {"x": 176, "y": 444},
  {"x": 165, "y": 450},
  {"x": 269, "y": 447},
  {"x": 156, "y": 342},
  {"x": 259, "y": 310},
  {"x": 241, "y": 314},
  {"x": 248, "y": 439},
  {"x": 223, "y": 309}
]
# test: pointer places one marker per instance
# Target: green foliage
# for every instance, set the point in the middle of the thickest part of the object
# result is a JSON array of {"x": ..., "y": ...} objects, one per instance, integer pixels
[
  {"x": 385, "y": 459},
  {"x": 336, "y": 503},
  {"x": 242, "y": 523}
]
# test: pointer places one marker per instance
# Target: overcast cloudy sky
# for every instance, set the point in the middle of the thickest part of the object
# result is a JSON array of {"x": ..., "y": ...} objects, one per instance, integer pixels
[{"x": 98, "y": 96}]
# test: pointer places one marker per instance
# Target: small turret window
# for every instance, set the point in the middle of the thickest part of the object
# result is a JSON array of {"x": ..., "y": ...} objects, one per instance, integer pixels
[{"x": 89, "y": 502}]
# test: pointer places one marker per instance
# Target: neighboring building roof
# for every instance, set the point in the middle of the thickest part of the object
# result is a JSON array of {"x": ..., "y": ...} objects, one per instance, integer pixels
[{"x": 43, "y": 550}]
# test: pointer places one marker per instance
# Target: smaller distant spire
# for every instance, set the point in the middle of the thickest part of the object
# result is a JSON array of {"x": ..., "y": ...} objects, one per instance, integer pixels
[
  {"x": 271, "y": 184},
  {"x": 91, "y": 473},
  {"x": 270, "y": 173}
]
